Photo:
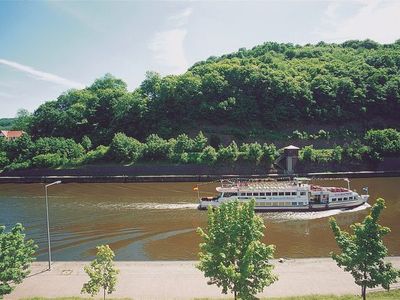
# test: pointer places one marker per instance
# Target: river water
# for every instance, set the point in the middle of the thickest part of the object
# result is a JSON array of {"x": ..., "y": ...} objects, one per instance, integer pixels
[{"x": 158, "y": 221}]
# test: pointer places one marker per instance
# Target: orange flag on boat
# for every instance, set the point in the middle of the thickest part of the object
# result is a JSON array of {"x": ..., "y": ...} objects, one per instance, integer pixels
[{"x": 196, "y": 188}]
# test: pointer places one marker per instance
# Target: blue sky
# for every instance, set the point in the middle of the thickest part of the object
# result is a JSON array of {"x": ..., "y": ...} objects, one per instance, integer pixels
[{"x": 47, "y": 48}]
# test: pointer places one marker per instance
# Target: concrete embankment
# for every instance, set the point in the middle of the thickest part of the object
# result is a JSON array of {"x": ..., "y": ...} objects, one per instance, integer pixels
[
  {"x": 181, "y": 280},
  {"x": 154, "y": 172},
  {"x": 185, "y": 178}
]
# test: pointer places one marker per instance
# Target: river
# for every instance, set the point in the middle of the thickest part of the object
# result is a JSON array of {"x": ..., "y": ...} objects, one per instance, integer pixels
[{"x": 158, "y": 221}]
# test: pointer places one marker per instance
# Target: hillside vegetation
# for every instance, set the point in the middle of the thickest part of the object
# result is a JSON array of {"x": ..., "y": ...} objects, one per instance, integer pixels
[
  {"x": 6, "y": 123},
  {"x": 339, "y": 97},
  {"x": 265, "y": 87}
]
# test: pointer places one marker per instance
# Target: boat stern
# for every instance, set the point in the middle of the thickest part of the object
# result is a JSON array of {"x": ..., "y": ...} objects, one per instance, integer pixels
[
  {"x": 205, "y": 202},
  {"x": 364, "y": 198}
]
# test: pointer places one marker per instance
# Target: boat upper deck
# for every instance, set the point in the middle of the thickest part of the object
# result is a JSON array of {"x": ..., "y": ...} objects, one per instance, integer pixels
[{"x": 227, "y": 185}]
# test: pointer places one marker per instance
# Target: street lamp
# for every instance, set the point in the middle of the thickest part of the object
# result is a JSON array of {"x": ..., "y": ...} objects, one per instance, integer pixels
[{"x": 47, "y": 218}]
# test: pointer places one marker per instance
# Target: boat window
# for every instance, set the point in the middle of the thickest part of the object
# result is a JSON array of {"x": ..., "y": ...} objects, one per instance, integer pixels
[
  {"x": 268, "y": 194},
  {"x": 302, "y": 193},
  {"x": 351, "y": 198},
  {"x": 333, "y": 199},
  {"x": 281, "y": 194},
  {"x": 274, "y": 194},
  {"x": 226, "y": 195},
  {"x": 262, "y": 194},
  {"x": 242, "y": 194},
  {"x": 339, "y": 199},
  {"x": 255, "y": 194},
  {"x": 287, "y": 193},
  {"x": 345, "y": 198},
  {"x": 294, "y": 193},
  {"x": 294, "y": 203},
  {"x": 249, "y": 194}
]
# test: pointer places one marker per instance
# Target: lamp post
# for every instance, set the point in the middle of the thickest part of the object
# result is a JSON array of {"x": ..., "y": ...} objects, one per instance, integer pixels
[{"x": 47, "y": 218}]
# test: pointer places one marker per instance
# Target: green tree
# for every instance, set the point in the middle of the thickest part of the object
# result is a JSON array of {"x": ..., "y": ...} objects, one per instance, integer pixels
[
  {"x": 208, "y": 155},
  {"x": 156, "y": 148},
  {"x": 126, "y": 149},
  {"x": 86, "y": 143},
  {"x": 363, "y": 252},
  {"x": 229, "y": 153},
  {"x": 232, "y": 254},
  {"x": 199, "y": 142},
  {"x": 4, "y": 161},
  {"x": 16, "y": 254},
  {"x": 255, "y": 152},
  {"x": 23, "y": 120},
  {"x": 102, "y": 273}
]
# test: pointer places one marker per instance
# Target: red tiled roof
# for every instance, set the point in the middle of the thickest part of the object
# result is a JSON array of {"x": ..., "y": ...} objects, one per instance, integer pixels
[{"x": 12, "y": 133}]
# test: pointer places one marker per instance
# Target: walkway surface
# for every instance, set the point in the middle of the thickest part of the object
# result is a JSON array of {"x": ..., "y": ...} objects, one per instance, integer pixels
[{"x": 181, "y": 280}]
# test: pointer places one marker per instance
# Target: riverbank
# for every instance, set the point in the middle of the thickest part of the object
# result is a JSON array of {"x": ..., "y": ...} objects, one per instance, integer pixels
[
  {"x": 175, "y": 173},
  {"x": 181, "y": 280},
  {"x": 186, "y": 178}
]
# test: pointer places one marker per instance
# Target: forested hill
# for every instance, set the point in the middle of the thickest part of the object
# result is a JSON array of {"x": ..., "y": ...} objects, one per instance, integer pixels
[{"x": 268, "y": 85}]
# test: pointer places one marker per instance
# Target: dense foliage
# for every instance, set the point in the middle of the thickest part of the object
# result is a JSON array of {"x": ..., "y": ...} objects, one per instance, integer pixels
[
  {"x": 268, "y": 84},
  {"x": 6, "y": 123},
  {"x": 232, "y": 255},
  {"x": 16, "y": 254},
  {"x": 54, "y": 152},
  {"x": 363, "y": 252},
  {"x": 249, "y": 94}
]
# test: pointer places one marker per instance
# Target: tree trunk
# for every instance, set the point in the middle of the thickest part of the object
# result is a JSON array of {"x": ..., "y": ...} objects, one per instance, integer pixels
[
  {"x": 363, "y": 292},
  {"x": 104, "y": 293},
  {"x": 234, "y": 293}
]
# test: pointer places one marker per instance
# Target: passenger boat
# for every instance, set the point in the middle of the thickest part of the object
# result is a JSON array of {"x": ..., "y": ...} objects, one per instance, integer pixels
[{"x": 291, "y": 195}]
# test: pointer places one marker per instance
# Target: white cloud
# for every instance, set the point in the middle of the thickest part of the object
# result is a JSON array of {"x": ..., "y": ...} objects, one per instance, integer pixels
[
  {"x": 180, "y": 18},
  {"x": 168, "y": 45},
  {"x": 40, "y": 75},
  {"x": 375, "y": 19},
  {"x": 168, "y": 49}
]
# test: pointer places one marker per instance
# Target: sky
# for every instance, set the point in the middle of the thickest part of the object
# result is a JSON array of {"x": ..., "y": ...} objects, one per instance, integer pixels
[{"x": 49, "y": 47}]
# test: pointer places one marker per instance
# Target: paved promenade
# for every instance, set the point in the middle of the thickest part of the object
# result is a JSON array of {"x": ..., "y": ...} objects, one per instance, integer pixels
[{"x": 181, "y": 280}]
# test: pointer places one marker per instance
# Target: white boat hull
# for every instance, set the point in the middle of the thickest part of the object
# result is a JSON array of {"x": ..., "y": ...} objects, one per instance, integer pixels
[{"x": 204, "y": 204}]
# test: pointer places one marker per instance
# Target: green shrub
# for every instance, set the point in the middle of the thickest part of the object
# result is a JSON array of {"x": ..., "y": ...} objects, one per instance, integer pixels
[
  {"x": 67, "y": 148},
  {"x": 255, "y": 152},
  {"x": 208, "y": 155},
  {"x": 307, "y": 153},
  {"x": 86, "y": 143},
  {"x": 183, "y": 158},
  {"x": 49, "y": 160},
  {"x": 192, "y": 158},
  {"x": 383, "y": 142},
  {"x": 183, "y": 143},
  {"x": 96, "y": 155},
  {"x": 355, "y": 151},
  {"x": 18, "y": 165},
  {"x": 156, "y": 148},
  {"x": 337, "y": 154},
  {"x": 270, "y": 153},
  {"x": 126, "y": 149},
  {"x": 4, "y": 161},
  {"x": 229, "y": 153},
  {"x": 199, "y": 142}
]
